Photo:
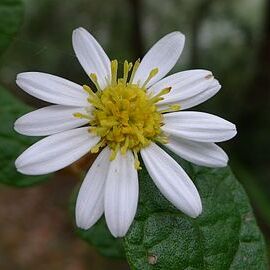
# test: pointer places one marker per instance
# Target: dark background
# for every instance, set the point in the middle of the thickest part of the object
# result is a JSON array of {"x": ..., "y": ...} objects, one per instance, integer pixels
[{"x": 229, "y": 37}]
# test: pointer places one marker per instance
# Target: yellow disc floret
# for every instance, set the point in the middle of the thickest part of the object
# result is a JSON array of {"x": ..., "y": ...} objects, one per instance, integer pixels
[{"x": 124, "y": 115}]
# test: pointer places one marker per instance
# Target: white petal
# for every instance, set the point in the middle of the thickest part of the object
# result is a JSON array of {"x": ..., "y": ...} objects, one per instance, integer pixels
[
  {"x": 52, "y": 89},
  {"x": 200, "y": 153},
  {"x": 91, "y": 56},
  {"x": 172, "y": 180},
  {"x": 90, "y": 200},
  {"x": 198, "y": 126},
  {"x": 189, "y": 88},
  {"x": 201, "y": 97},
  {"x": 55, "y": 152},
  {"x": 163, "y": 55},
  {"x": 121, "y": 194},
  {"x": 49, "y": 120},
  {"x": 184, "y": 83}
]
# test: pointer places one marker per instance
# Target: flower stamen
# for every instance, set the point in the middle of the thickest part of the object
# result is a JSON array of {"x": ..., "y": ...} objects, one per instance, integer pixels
[
  {"x": 124, "y": 114},
  {"x": 114, "y": 68},
  {"x": 94, "y": 79},
  {"x": 135, "y": 67},
  {"x": 171, "y": 108},
  {"x": 82, "y": 116},
  {"x": 159, "y": 97},
  {"x": 100, "y": 144},
  {"x": 127, "y": 68},
  {"x": 152, "y": 74},
  {"x": 136, "y": 161}
]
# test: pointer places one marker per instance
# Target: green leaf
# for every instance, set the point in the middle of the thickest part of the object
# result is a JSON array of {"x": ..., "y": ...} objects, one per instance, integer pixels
[
  {"x": 99, "y": 235},
  {"x": 13, "y": 144},
  {"x": 225, "y": 236},
  {"x": 11, "y": 13}
]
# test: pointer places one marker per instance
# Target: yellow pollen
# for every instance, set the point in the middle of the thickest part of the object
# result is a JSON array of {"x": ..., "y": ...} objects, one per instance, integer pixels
[{"x": 125, "y": 115}]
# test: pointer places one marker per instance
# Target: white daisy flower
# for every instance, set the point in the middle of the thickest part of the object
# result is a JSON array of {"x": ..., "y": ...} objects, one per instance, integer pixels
[{"x": 123, "y": 117}]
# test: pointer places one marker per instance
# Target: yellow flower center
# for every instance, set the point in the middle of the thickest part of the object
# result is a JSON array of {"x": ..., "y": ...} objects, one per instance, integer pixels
[{"x": 125, "y": 115}]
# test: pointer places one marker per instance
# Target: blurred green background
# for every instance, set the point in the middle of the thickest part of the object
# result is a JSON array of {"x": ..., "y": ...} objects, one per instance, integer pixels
[{"x": 229, "y": 37}]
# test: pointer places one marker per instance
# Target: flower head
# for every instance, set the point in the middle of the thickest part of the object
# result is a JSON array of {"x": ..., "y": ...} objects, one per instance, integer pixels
[{"x": 124, "y": 115}]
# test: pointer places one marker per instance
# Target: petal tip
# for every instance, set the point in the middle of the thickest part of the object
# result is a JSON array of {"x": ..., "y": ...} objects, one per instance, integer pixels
[
  {"x": 17, "y": 163},
  {"x": 179, "y": 34},
  {"x": 233, "y": 131},
  {"x": 75, "y": 34},
  {"x": 81, "y": 222},
  {"x": 78, "y": 29},
  {"x": 118, "y": 233},
  {"x": 26, "y": 74},
  {"x": 19, "y": 78},
  {"x": 16, "y": 126},
  {"x": 224, "y": 162},
  {"x": 20, "y": 168},
  {"x": 197, "y": 210},
  {"x": 179, "y": 38},
  {"x": 196, "y": 214},
  {"x": 82, "y": 226}
]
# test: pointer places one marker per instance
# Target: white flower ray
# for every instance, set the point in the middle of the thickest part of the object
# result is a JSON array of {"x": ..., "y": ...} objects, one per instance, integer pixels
[
  {"x": 163, "y": 55},
  {"x": 90, "y": 201},
  {"x": 121, "y": 194},
  {"x": 52, "y": 89},
  {"x": 198, "y": 126},
  {"x": 55, "y": 152},
  {"x": 50, "y": 120},
  {"x": 172, "y": 180}
]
